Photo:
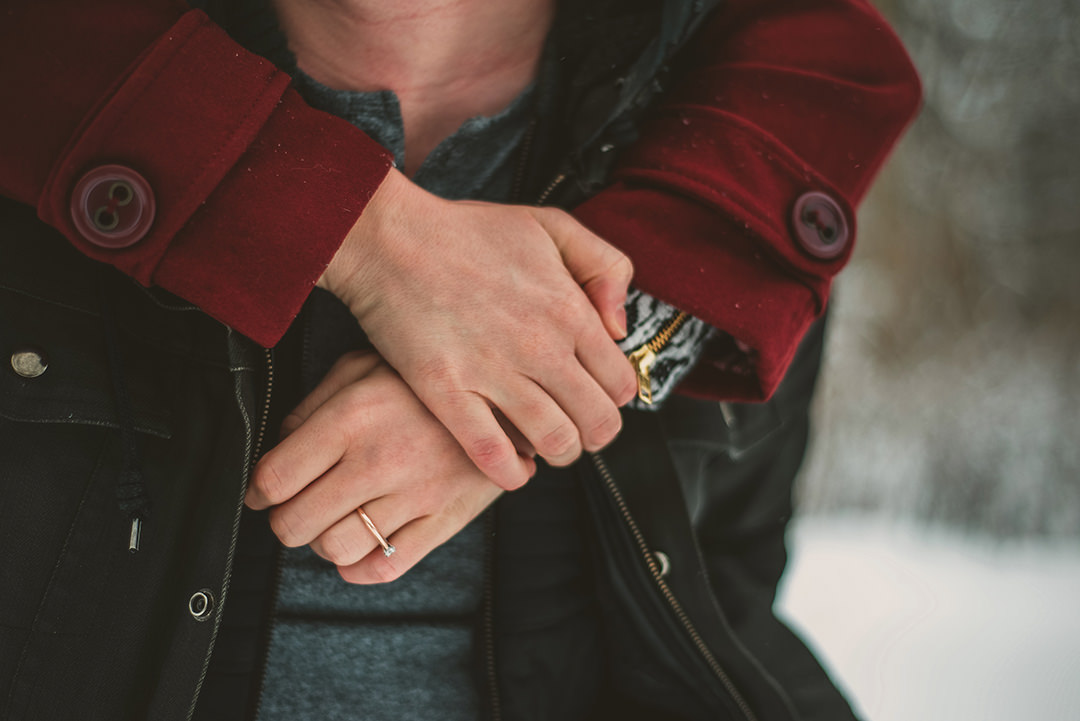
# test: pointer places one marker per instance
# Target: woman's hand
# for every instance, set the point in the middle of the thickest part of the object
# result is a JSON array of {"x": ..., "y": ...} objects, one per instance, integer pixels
[
  {"x": 363, "y": 439},
  {"x": 484, "y": 308}
]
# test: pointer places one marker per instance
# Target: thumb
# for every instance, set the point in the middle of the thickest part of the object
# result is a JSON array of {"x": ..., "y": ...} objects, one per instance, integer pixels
[{"x": 601, "y": 269}]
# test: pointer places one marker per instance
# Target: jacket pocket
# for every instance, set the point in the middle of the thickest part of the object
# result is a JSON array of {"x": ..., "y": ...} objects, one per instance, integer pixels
[{"x": 63, "y": 427}]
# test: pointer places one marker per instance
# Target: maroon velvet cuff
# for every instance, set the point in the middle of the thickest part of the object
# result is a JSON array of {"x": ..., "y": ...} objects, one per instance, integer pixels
[{"x": 254, "y": 191}]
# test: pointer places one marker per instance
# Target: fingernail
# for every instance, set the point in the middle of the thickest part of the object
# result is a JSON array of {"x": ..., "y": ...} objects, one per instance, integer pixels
[{"x": 620, "y": 321}]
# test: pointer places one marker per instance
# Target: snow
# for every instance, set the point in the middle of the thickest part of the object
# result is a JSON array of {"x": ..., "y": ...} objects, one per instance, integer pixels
[{"x": 930, "y": 624}]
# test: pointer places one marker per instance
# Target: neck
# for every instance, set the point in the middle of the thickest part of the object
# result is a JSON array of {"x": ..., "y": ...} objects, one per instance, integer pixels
[{"x": 447, "y": 60}]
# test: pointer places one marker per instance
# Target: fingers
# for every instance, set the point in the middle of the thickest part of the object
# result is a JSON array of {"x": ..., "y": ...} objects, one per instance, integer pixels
[
  {"x": 543, "y": 423},
  {"x": 592, "y": 409},
  {"x": 325, "y": 502},
  {"x": 603, "y": 360},
  {"x": 471, "y": 421},
  {"x": 416, "y": 539},
  {"x": 348, "y": 540},
  {"x": 287, "y": 468},
  {"x": 569, "y": 416},
  {"x": 600, "y": 268}
]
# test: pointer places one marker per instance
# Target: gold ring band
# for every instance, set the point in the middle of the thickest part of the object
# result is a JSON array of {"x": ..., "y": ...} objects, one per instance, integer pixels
[{"x": 387, "y": 547}]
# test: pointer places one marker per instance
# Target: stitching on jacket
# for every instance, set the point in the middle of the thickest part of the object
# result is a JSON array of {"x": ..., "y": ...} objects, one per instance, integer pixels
[{"x": 198, "y": 176}]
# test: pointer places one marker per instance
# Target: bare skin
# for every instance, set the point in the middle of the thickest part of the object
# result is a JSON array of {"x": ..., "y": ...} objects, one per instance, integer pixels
[
  {"x": 446, "y": 60},
  {"x": 497, "y": 320},
  {"x": 347, "y": 434}
]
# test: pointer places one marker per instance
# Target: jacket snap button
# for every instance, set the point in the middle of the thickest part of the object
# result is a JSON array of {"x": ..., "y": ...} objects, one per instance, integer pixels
[
  {"x": 29, "y": 363},
  {"x": 112, "y": 206},
  {"x": 664, "y": 562},
  {"x": 820, "y": 225},
  {"x": 201, "y": 604}
]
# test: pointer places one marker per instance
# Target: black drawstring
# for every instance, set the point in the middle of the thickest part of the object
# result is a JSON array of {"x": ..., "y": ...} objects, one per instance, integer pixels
[{"x": 131, "y": 492}]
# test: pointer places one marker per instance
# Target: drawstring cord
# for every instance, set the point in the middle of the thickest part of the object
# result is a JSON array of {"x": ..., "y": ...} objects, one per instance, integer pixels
[{"x": 131, "y": 492}]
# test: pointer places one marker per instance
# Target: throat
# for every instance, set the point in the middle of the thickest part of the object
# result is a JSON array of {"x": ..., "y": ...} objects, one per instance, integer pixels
[{"x": 446, "y": 60}]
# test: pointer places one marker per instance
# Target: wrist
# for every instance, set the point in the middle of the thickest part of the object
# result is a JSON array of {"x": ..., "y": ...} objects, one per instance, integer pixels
[{"x": 347, "y": 275}]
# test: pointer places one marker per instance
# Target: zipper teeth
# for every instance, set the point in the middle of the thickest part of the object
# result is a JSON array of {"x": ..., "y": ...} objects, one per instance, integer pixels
[
  {"x": 551, "y": 188},
  {"x": 266, "y": 406},
  {"x": 489, "y": 616},
  {"x": 231, "y": 555},
  {"x": 662, "y": 338},
  {"x": 519, "y": 172},
  {"x": 654, "y": 570},
  {"x": 276, "y": 578}
]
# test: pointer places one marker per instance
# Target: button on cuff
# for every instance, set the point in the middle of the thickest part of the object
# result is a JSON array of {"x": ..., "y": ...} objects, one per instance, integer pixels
[
  {"x": 113, "y": 206},
  {"x": 820, "y": 226}
]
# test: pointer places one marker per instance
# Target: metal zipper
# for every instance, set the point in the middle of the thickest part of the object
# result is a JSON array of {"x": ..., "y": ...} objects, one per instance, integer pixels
[
  {"x": 665, "y": 590},
  {"x": 277, "y": 571},
  {"x": 552, "y": 186},
  {"x": 266, "y": 408},
  {"x": 489, "y": 616},
  {"x": 250, "y": 451},
  {"x": 523, "y": 155},
  {"x": 643, "y": 358}
]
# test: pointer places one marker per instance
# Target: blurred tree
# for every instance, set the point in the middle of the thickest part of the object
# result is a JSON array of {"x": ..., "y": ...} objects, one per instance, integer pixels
[{"x": 952, "y": 384}]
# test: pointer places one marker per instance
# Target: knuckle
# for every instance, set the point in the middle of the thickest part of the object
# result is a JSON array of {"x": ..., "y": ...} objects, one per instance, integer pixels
[
  {"x": 336, "y": 548},
  {"x": 268, "y": 481},
  {"x": 570, "y": 314},
  {"x": 604, "y": 431},
  {"x": 561, "y": 441},
  {"x": 290, "y": 424},
  {"x": 442, "y": 375},
  {"x": 490, "y": 451},
  {"x": 553, "y": 214},
  {"x": 287, "y": 527}
]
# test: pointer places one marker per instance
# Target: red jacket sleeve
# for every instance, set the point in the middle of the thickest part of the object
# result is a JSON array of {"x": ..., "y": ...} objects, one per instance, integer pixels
[
  {"x": 781, "y": 101},
  {"x": 253, "y": 191}
]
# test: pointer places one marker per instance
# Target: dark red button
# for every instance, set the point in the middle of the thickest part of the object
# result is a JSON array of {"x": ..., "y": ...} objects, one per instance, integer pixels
[
  {"x": 113, "y": 206},
  {"x": 820, "y": 225}
]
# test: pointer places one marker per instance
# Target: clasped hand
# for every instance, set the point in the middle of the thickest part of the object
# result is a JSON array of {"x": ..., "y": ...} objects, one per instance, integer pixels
[
  {"x": 363, "y": 439},
  {"x": 489, "y": 309},
  {"x": 498, "y": 322}
]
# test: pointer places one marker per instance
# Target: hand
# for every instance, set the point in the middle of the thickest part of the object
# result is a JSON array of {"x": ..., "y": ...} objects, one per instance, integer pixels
[
  {"x": 484, "y": 308},
  {"x": 363, "y": 439}
]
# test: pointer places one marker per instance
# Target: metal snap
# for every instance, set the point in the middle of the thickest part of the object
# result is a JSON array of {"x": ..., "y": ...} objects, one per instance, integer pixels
[
  {"x": 201, "y": 604},
  {"x": 29, "y": 363},
  {"x": 664, "y": 562}
]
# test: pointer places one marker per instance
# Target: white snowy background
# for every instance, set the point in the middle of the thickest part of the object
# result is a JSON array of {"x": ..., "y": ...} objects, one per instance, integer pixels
[{"x": 936, "y": 560}]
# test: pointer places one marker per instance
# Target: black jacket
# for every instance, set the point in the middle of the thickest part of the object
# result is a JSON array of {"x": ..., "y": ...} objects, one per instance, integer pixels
[{"x": 149, "y": 414}]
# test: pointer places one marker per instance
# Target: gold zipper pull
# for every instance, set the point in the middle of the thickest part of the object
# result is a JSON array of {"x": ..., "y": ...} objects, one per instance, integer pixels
[{"x": 642, "y": 359}]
